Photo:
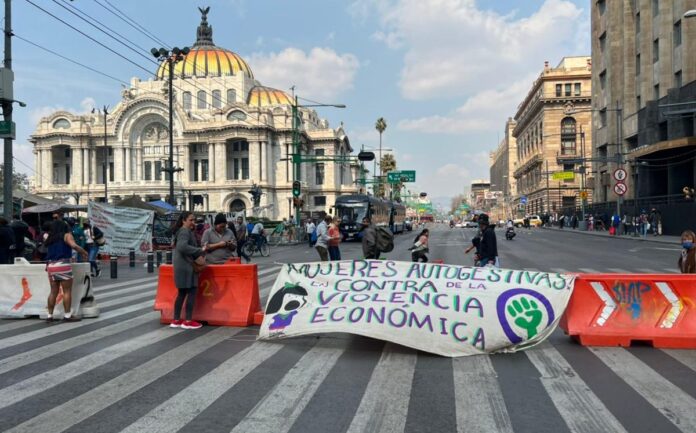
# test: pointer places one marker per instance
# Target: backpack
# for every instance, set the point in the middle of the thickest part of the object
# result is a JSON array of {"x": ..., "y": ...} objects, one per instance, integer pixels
[
  {"x": 385, "y": 239},
  {"x": 313, "y": 237},
  {"x": 98, "y": 236}
]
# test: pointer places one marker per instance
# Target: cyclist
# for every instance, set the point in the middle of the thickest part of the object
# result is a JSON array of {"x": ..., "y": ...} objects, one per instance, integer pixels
[{"x": 257, "y": 234}]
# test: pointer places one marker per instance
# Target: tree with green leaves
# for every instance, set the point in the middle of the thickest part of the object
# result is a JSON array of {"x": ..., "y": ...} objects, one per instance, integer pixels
[
  {"x": 19, "y": 180},
  {"x": 387, "y": 164}
]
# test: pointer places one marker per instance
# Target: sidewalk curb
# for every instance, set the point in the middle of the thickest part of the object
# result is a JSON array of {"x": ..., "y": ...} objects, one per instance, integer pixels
[{"x": 626, "y": 238}]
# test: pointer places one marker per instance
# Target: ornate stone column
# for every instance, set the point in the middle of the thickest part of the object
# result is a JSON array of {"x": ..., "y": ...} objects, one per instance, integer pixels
[
  {"x": 38, "y": 181},
  {"x": 76, "y": 165},
  {"x": 85, "y": 166},
  {"x": 211, "y": 162},
  {"x": 221, "y": 161},
  {"x": 138, "y": 163},
  {"x": 49, "y": 166},
  {"x": 128, "y": 164}
]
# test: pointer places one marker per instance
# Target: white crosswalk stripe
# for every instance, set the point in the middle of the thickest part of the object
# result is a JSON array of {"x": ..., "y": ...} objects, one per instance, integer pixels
[
  {"x": 670, "y": 270},
  {"x": 176, "y": 412},
  {"x": 686, "y": 357},
  {"x": 580, "y": 408},
  {"x": 588, "y": 271},
  {"x": 618, "y": 271},
  {"x": 483, "y": 410},
  {"x": 384, "y": 406},
  {"x": 675, "y": 404},
  {"x": 63, "y": 327},
  {"x": 71, "y": 412},
  {"x": 281, "y": 407}
]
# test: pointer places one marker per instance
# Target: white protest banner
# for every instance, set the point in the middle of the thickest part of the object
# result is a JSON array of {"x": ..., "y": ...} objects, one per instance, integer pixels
[
  {"x": 443, "y": 309},
  {"x": 124, "y": 228}
]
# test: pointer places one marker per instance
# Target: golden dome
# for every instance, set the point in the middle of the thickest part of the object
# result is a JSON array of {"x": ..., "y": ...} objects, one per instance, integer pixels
[
  {"x": 205, "y": 59},
  {"x": 261, "y": 96}
]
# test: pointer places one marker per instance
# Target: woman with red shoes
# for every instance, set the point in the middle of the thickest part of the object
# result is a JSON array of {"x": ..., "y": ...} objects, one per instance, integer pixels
[{"x": 187, "y": 256}]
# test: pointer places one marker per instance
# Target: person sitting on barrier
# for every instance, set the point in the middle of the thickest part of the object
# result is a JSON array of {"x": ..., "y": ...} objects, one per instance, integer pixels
[
  {"x": 60, "y": 245},
  {"x": 219, "y": 242},
  {"x": 687, "y": 259},
  {"x": 241, "y": 232},
  {"x": 186, "y": 251}
]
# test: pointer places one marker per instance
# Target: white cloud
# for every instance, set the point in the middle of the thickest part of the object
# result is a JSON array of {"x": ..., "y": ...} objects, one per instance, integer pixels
[
  {"x": 485, "y": 111},
  {"x": 321, "y": 73},
  {"x": 453, "y": 178},
  {"x": 454, "y": 48}
]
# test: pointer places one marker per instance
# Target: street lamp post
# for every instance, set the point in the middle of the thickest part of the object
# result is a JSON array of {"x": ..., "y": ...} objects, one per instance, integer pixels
[
  {"x": 172, "y": 57},
  {"x": 105, "y": 170},
  {"x": 296, "y": 160}
]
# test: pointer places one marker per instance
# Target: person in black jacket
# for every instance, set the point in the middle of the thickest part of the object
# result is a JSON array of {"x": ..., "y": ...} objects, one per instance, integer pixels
[{"x": 488, "y": 248}]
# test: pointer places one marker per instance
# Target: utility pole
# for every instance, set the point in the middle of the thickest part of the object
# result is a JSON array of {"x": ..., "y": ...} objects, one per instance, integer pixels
[
  {"x": 106, "y": 159},
  {"x": 8, "y": 203},
  {"x": 619, "y": 151}
]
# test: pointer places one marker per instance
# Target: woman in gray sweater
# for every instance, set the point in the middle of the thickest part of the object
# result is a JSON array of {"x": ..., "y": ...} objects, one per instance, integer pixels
[{"x": 186, "y": 250}]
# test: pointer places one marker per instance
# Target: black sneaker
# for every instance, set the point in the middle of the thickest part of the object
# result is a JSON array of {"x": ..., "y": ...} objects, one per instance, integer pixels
[{"x": 71, "y": 319}]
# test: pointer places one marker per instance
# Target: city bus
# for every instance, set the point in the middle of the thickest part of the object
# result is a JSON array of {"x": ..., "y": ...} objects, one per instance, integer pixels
[
  {"x": 351, "y": 209},
  {"x": 397, "y": 221}
]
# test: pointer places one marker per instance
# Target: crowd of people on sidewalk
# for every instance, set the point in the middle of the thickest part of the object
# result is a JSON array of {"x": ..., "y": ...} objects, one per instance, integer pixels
[{"x": 642, "y": 224}]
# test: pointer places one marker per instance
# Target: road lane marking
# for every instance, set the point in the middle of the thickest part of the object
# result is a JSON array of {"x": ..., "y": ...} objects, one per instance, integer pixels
[
  {"x": 618, "y": 271},
  {"x": 686, "y": 357},
  {"x": 671, "y": 270},
  {"x": 588, "y": 271},
  {"x": 64, "y": 416},
  {"x": 480, "y": 406},
  {"x": 40, "y": 382},
  {"x": 384, "y": 406},
  {"x": 123, "y": 291},
  {"x": 561, "y": 270},
  {"x": 24, "y": 358},
  {"x": 180, "y": 409},
  {"x": 579, "y": 407},
  {"x": 279, "y": 409},
  {"x": 675, "y": 404},
  {"x": 99, "y": 288},
  {"x": 63, "y": 327}
]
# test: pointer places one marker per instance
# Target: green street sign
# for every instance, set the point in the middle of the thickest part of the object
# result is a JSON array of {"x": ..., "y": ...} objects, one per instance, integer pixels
[
  {"x": 401, "y": 176},
  {"x": 7, "y": 129}
]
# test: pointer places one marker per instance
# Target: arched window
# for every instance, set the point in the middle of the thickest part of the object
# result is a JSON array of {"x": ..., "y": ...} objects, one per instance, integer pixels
[
  {"x": 568, "y": 136},
  {"x": 237, "y": 115},
  {"x": 231, "y": 96},
  {"x": 61, "y": 124},
  {"x": 187, "y": 100},
  {"x": 201, "y": 105},
  {"x": 217, "y": 99}
]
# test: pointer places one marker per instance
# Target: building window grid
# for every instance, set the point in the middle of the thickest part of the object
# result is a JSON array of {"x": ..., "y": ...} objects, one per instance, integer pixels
[
  {"x": 678, "y": 79},
  {"x": 319, "y": 178},
  {"x": 231, "y": 96},
  {"x": 637, "y": 65},
  {"x": 656, "y": 50},
  {"x": 578, "y": 89}
]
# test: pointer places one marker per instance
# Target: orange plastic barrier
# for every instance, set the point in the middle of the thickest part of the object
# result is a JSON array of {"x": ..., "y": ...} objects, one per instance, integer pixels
[
  {"x": 227, "y": 295},
  {"x": 622, "y": 309}
]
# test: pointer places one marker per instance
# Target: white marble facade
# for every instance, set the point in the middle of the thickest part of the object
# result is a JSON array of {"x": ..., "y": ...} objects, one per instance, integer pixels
[{"x": 230, "y": 132}]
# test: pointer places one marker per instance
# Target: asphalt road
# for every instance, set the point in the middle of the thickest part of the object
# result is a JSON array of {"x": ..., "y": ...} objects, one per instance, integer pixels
[{"x": 126, "y": 372}]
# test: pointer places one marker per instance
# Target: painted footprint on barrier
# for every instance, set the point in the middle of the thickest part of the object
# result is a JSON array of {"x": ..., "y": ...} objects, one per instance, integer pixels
[
  {"x": 26, "y": 294},
  {"x": 526, "y": 314}
]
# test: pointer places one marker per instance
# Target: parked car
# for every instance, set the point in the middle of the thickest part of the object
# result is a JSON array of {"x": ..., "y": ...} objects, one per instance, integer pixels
[
  {"x": 470, "y": 225},
  {"x": 535, "y": 221}
]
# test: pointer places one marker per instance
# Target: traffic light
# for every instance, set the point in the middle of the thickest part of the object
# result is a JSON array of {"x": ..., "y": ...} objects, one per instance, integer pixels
[{"x": 296, "y": 188}]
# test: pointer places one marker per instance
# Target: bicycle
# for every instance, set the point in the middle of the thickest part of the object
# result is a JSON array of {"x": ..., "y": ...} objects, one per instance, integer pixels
[{"x": 250, "y": 247}]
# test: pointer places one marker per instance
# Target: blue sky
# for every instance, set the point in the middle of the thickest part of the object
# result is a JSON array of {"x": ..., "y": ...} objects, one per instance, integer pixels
[{"x": 445, "y": 74}]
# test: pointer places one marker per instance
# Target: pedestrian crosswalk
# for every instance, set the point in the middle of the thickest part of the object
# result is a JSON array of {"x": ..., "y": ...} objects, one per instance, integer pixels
[{"x": 123, "y": 371}]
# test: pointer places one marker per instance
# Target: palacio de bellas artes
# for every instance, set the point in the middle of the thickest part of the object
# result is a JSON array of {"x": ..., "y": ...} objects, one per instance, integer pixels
[{"x": 231, "y": 134}]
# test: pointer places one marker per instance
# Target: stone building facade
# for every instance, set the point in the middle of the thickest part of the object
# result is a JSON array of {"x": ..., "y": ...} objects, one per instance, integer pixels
[
  {"x": 502, "y": 159},
  {"x": 229, "y": 132},
  {"x": 644, "y": 96},
  {"x": 552, "y": 134}
]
